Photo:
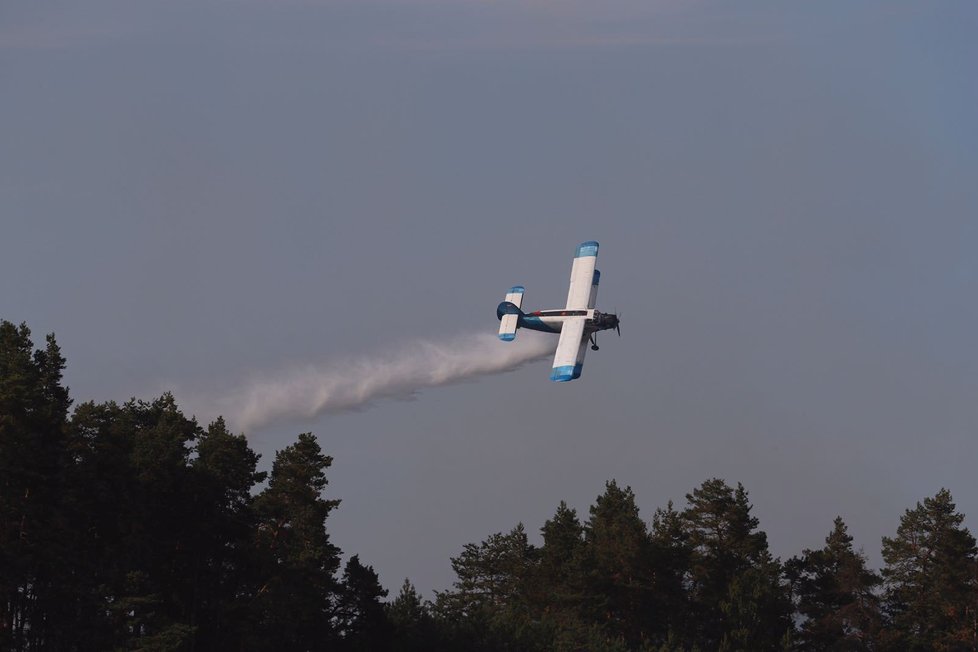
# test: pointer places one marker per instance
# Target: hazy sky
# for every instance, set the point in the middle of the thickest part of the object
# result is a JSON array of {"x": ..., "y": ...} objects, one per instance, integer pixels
[{"x": 786, "y": 197}]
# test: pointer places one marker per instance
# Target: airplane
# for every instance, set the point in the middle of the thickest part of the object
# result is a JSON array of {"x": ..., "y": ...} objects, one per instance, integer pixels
[{"x": 578, "y": 322}]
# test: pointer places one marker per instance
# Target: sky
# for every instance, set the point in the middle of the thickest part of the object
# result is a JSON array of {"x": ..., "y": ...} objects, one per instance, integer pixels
[{"x": 195, "y": 195}]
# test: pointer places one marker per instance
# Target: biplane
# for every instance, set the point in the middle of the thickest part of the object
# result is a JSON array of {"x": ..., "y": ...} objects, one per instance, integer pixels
[{"x": 578, "y": 322}]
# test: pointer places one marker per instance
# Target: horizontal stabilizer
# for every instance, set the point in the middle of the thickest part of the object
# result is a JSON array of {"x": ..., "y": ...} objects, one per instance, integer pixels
[{"x": 509, "y": 313}]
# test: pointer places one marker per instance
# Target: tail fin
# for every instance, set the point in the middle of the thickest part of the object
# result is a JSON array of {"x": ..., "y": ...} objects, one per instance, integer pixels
[{"x": 509, "y": 313}]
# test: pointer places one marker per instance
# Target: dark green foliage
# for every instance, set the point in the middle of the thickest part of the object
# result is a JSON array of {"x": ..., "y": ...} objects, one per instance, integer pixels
[
  {"x": 143, "y": 517},
  {"x": 489, "y": 607},
  {"x": 413, "y": 629},
  {"x": 836, "y": 595},
  {"x": 225, "y": 470},
  {"x": 297, "y": 592},
  {"x": 670, "y": 556},
  {"x": 139, "y": 619},
  {"x": 360, "y": 615},
  {"x": 929, "y": 579},
  {"x": 560, "y": 580},
  {"x": 737, "y": 599},
  {"x": 35, "y": 553},
  {"x": 618, "y": 576},
  {"x": 131, "y": 527},
  {"x": 702, "y": 579}
]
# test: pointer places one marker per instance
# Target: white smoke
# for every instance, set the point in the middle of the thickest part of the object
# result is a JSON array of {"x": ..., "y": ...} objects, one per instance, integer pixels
[{"x": 312, "y": 390}]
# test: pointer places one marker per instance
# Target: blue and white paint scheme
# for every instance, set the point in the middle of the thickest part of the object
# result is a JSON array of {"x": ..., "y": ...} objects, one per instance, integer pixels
[
  {"x": 577, "y": 322},
  {"x": 509, "y": 322}
]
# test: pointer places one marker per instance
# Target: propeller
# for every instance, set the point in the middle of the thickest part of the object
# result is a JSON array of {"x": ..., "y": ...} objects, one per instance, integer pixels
[{"x": 618, "y": 323}]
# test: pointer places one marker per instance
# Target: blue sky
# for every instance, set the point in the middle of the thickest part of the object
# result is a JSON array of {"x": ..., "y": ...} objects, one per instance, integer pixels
[{"x": 194, "y": 193}]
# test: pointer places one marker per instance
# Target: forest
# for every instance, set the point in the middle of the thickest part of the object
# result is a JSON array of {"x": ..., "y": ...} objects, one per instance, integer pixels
[{"x": 132, "y": 527}]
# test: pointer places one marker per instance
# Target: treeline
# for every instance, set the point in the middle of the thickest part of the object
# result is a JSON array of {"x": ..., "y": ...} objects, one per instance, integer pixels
[
  {"x": 703, "y": 579},
  {"x": 132, "y": 527}
]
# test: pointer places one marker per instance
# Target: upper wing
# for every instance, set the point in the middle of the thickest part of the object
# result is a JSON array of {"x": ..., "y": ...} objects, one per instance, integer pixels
[
  {"x": 582, "y": 276},
  {"x": 593, "y": 299},
  {"x": 569, "y": 359}
]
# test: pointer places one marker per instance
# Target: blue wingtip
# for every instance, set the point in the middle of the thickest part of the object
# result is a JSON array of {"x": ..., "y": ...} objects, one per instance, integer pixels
[
  {"x": 517, "y": 289},
  {"x": 507, "y": 337},
  {"x": 589, "y": 248},
  {"x": 566, "y": 373},
  {"x": 563, "y": 374}
]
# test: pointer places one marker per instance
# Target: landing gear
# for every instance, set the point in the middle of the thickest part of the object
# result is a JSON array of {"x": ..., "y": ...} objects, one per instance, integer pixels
[{"x": 594, "y": 342}]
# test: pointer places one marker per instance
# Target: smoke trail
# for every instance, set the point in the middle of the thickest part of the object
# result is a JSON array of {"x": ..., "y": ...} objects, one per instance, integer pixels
[{"x": 306, "y": 392}]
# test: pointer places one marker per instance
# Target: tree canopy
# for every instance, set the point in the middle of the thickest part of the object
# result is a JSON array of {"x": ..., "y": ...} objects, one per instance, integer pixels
[{"x": 132, "y": 527}]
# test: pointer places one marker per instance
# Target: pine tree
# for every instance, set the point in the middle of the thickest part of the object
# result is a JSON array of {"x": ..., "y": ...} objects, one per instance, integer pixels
[
  {"x": 163, "y": 522},
  {"x": 489, "y": 607},
  {"x": 105, "y": 509},
  {"x": 35, "y": 556},
  {"x": 559, "y": 588},
  {"x": 836, "y": 595},
  {"x": 738, "y": 602},
  {"x": 929, "y": 579},
  {"x": 224, "y": 473},
  {"x": 560, "y": 556},
  {"x": 670, "y": 554},
  {"x": 617, "y": 566},
  {"x": 298, "y": 591},
  {"x": 138, "y": 514},
  {"x": 361, "y": 618},
  {"x": 413, "y": 628}
]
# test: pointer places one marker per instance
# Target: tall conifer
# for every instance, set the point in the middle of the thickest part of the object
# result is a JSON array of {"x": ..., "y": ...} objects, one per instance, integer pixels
[
  {"x": 35, "y": 555},
  {"x": 297, "y": 593},
  {"x": 929, "y": 579},
  {"x": 737, "y": 598},
  {"x": 836, "y": 595},
  {"x": 618, "y": 572}
]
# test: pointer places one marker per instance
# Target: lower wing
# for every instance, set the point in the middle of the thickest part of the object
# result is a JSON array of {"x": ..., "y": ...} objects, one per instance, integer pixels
[{"x": 569, "y": 359}]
